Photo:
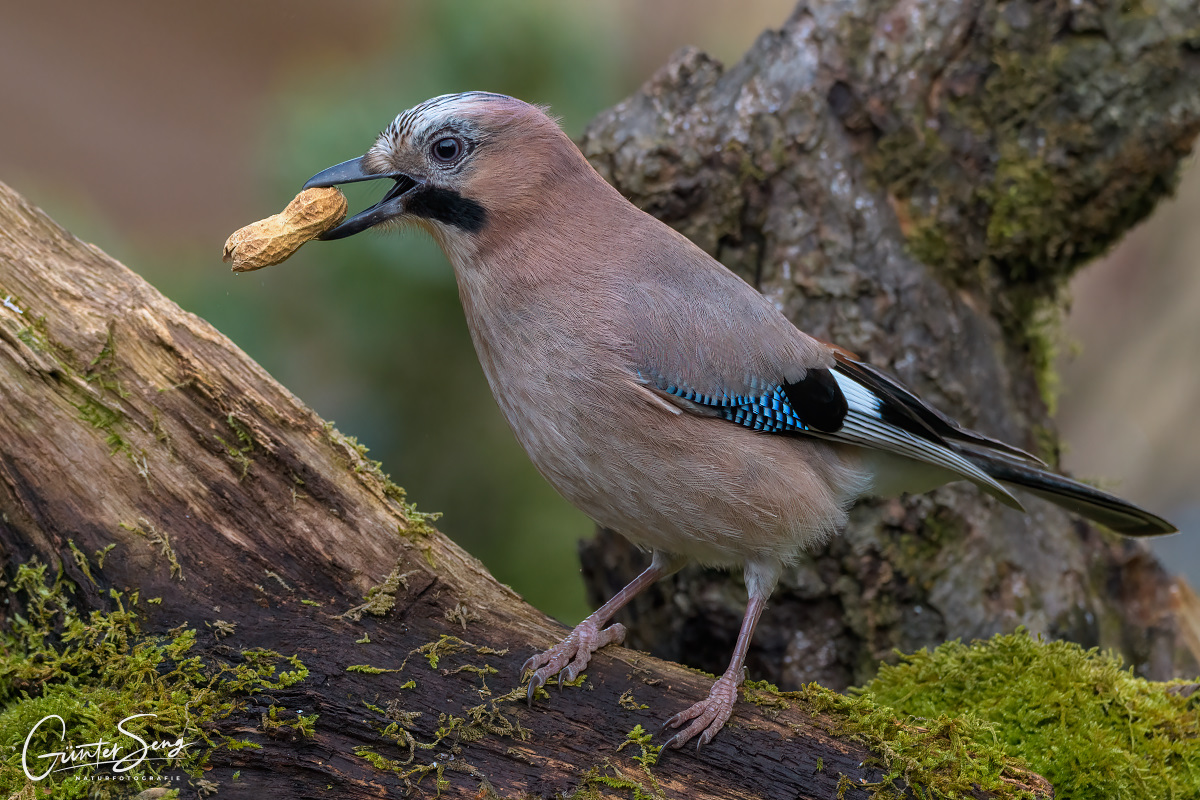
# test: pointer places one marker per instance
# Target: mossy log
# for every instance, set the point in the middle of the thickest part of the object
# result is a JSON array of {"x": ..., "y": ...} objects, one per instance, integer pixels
[
  {"x": 916, "y": 181},
  {"x": 205, "y": 522}
]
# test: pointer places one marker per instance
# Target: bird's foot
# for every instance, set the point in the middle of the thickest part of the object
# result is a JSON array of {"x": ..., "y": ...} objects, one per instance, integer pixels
[
  {"x": 708, "y": 716},
  {"x": 569, "y": 657}
]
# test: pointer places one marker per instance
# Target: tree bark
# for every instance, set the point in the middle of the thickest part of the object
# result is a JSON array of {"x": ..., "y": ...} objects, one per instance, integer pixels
[
  {"x": 916, "y": 181},
  {"x": 134, "y": 429}
]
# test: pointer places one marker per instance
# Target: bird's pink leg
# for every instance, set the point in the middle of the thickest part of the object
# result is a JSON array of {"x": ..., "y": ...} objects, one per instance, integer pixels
[
  {"x": 710, "y": 714},
  {"x": 571, "y": 655}
]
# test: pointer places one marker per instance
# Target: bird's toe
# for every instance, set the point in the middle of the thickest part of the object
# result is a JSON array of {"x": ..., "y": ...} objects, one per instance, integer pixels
[
  {"x": 568, "y": 659},
  {"x": 533, "y": 663},
  {"x": 706, "y": 717}
]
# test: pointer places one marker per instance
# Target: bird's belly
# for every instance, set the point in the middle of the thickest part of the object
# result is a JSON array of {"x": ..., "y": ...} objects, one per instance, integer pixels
[
  {"x": 699, "y": 487},
  {"x": 695, "y": 486}
]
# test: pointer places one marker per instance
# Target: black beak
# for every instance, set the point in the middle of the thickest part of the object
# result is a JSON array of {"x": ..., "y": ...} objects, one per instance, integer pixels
[{"x": 392, "y": 204}]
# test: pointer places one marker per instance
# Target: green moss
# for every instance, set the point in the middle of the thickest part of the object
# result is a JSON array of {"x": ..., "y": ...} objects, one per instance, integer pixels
[
  {"x": 242, "y": 432},
  {"x": 240, "y": 449},
  {"x": 1075, "y": 716},
  {"x": 34, "y": 342},
  {"x": 930, "y": 243},
  {"x": 102, "y": 370},
  {"x": 100, "y": 373},
  {"x": 275, "y": 720},
  {"x": 648, "y": 756},
  {"x": 420, "y": 536},
  {"x": 397, "y": 729},
  {"x": 221, "y": 628},
  {"x": 98, "y": 407},
  {"x": 81, "y": 561},
  {"x": 1027, "y": 211},
  {"x": 39, "y": 330},
  {"x": 94, "y": 670},
  {"x": 381, "y": 599},
  {"x": 102, "y": 554},
  {"x": 627, "y": 702},
  {"x": 397, "y": 726},
  {"x": 907, "y": 550},
  {"x": 368, "y": 670},
  {"x": 946, "y": 756},
  {"x": 434, "y": 651},
  {"x": 1036, "y": 157},
  {"x": 275, "y": 576},
  {"x": 941, "y": 756},
  {"x": 640, "y": 784},
  {"x": 105, "y": 418},
  {"x": 162, "y": 539},
  {"x": 1041, "y": 336},
  {"x": 461, "y": 614},
  {"x": 417, "y": 526},
  {"x": 355, "y": 456}
]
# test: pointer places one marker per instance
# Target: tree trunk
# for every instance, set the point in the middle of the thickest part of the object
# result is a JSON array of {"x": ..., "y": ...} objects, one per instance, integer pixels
[
  {"x": 165, "y": 473},
  {"x": 916, "y": 181}
]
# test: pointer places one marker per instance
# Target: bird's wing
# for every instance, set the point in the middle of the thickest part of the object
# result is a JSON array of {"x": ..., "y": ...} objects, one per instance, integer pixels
[
  {"x": 885, "y": 415},
  {"x": 871, "y": 420},
  {"x": 710, "y": 344},
  {"x": 705, "y": 331},
  {"x": 903, "y": 408},
  {"x": 705, "y": 342}
]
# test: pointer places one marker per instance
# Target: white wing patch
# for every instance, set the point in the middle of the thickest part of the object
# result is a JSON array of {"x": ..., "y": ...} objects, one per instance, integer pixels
[{"x": 858, "y": 397}]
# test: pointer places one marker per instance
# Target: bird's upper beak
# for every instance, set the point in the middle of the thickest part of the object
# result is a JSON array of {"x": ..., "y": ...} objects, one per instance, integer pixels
[{"x": 392, "y": 204}]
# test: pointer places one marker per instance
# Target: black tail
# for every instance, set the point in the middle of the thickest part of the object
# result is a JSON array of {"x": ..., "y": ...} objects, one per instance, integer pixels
[{"x": 1088, "y": 501}]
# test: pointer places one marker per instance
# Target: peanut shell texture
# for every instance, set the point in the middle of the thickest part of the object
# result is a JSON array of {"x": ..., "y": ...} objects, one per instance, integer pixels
[{"x": 273, "y": 240}]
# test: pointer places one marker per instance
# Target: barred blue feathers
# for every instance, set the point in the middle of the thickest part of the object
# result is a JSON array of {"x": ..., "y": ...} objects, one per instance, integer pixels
[{"x": 769, "y": 413}]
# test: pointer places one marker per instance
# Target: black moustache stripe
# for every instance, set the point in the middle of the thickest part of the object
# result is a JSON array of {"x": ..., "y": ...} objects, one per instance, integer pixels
[{"x": 447, "y": 206}]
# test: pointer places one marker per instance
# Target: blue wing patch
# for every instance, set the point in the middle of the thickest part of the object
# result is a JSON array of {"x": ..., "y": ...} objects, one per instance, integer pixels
[
  {"x": 815, "y": 403},
  {"x": 769, "y": 413}
]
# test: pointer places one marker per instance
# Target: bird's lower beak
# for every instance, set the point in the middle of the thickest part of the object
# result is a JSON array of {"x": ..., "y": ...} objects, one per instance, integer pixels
[{"x": 392, "y": 204}]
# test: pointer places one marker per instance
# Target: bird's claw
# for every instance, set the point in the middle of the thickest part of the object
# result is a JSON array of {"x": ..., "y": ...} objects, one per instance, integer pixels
[
  {"x": 570, "y": 656},
  {"x": 707, "y": 717}
]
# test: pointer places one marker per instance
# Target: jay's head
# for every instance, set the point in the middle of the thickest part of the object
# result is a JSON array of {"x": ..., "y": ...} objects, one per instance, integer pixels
[{"x": 461, "y": 165}]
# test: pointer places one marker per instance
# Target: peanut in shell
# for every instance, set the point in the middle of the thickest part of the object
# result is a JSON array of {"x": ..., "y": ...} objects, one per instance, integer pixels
[{"x": 273, "y": 240}]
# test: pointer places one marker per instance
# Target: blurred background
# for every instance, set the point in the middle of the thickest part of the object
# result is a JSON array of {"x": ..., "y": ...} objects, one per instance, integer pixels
[{"x": 155, "y": 129}]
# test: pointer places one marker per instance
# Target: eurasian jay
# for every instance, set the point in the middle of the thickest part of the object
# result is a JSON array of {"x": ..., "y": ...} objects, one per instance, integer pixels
[{"x": 652, "y": 387}]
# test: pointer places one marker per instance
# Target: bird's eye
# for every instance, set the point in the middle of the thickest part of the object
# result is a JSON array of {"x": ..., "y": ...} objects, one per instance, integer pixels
[{"x": 447, "y": 149}]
